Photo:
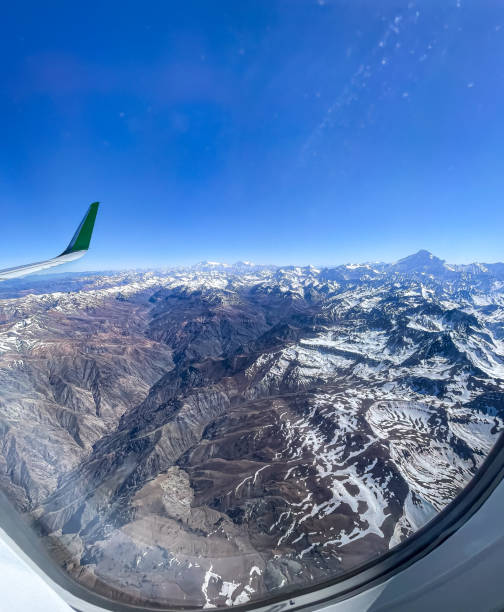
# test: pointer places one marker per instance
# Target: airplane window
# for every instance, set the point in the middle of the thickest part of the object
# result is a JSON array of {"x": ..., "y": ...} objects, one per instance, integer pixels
[{"x": 214, "y": 434}]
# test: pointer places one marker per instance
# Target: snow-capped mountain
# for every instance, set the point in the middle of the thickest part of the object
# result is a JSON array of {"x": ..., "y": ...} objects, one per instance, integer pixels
[
  {"x": 422, "y": 262},
  {"x": 209, "y": 435}
]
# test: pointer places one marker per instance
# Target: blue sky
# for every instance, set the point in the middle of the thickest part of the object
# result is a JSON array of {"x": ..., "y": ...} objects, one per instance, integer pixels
[{"x": 292, "y": 131}]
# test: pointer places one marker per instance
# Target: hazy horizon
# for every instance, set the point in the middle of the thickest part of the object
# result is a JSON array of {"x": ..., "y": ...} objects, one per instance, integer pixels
[{"x": 70, "y": 269}]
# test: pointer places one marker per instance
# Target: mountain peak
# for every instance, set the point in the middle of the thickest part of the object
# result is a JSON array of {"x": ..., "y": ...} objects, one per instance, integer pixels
[
  {"x": 210, "y": 265},
  {"x": 422, "y": 254},
  {"x": 421, "y": 261}
]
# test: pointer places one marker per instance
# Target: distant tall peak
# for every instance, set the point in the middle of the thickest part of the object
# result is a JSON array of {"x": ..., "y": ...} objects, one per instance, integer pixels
[
  {"x": 421, "y": 261},
  {"x": 421, "y": 255}
]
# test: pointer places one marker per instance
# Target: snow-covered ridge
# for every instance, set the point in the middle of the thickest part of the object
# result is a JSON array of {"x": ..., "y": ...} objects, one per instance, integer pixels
[{"x": 306, "y": 416}]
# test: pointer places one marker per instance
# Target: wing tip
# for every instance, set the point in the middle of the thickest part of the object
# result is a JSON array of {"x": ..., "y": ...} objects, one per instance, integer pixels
[
  {"x": 82, "y": 237},
  {"x": 76, "y": 249}
]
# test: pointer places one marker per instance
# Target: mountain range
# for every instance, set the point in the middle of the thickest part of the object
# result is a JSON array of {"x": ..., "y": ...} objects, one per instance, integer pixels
[{"x": 210, "y": 435}]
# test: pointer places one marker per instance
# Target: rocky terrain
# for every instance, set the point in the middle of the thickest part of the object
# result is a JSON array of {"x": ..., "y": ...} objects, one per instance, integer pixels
[{"x": 209, "y": 436}]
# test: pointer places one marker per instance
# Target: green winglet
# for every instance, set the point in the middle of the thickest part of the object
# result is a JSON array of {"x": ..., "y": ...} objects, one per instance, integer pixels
[{"x": 82, "y": 237}]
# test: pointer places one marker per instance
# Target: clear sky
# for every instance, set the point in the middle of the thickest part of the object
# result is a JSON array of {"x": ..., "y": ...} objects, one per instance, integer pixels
[{"x": 281, "y": 131}]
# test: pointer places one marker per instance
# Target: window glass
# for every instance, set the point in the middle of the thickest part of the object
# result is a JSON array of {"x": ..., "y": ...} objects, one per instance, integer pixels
[{"x": 213, "y": 434}]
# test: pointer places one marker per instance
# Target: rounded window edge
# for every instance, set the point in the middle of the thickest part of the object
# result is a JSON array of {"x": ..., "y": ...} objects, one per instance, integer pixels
[{"x": 448, "y": 521}]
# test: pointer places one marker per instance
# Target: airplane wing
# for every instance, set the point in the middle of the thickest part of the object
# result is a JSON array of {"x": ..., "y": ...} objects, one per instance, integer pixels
[{"x": 75, "y": 250}]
